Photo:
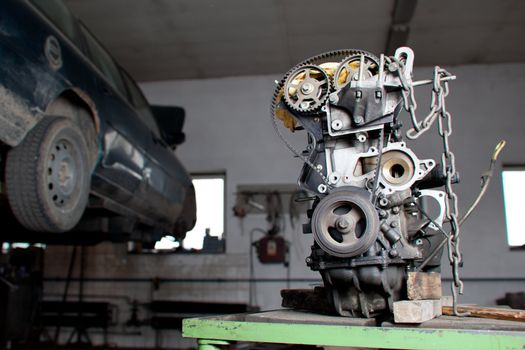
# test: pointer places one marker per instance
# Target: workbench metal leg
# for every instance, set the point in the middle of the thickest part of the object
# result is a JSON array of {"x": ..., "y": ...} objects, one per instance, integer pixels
[{"x": 209, "y": 344}]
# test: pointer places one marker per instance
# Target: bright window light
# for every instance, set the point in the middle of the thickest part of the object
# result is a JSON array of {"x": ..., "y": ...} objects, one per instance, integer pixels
[
  {"x": 209, "y": 193},
  {"x": 22, "y": 245},
  {"x": 514, "y": 192},
  {"x": 167, "y": 243}
]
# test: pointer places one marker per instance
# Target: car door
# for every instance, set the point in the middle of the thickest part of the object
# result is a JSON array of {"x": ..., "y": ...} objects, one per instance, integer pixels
[
  {"x": 123, "y": 173},
  {"x": 168, "y": 180}
]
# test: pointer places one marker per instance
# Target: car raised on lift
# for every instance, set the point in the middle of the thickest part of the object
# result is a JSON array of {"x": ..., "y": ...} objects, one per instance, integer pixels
[{"x": 81, "y": 149}]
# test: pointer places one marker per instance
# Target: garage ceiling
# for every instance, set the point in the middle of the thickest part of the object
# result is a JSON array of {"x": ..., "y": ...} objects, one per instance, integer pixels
[{"x": 188, "y": 39}]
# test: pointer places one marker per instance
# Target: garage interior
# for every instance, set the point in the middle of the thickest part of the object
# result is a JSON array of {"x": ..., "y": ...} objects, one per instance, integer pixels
[{"x": 220, "y": 62}]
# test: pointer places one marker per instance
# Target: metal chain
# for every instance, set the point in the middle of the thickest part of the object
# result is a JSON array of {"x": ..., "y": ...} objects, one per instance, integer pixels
[
  {"x": 438, "y": 111},
  {"x": 409, "y": 99},
  {"x": 448, "y": 163}
]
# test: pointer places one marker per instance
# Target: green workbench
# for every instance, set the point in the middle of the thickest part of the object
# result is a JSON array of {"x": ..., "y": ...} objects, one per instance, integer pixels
[{"x": 295, "y": 327}]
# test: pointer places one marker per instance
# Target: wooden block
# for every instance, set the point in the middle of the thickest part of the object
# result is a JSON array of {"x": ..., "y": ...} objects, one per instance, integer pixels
[
  {"x": 488, "y": 312},
  {"x": 416, "y": 311},
  {"x": 314, "y": 300},
  {"x": 424, "y": 285}
]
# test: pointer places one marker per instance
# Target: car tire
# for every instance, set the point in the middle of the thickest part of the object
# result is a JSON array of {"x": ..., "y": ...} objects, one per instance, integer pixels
[{"x": 48, "y": 176}]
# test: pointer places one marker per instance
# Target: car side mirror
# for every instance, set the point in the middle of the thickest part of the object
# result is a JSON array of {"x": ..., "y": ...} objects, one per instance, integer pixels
[{"x": 171, "y": 121}]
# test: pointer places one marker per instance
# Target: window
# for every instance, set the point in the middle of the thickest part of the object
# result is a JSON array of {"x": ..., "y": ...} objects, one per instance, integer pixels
[
  {"x": 59, "y": 14},
  {"x": 5, "y": 247},
  {"x": 514, "y": 192},
  {"x": 103, "y": 61},
  {"x": 209, "y": 194},
  {"x": 139, "y": 101},
  {"x": 208, "y": 234}
]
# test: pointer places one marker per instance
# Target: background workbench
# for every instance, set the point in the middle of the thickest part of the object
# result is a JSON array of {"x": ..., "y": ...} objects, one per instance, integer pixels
[{"x": 295, "y": 327}]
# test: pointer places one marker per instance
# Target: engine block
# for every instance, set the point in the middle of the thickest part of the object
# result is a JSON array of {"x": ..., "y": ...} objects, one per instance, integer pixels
[{"x": 370, "y": 189}]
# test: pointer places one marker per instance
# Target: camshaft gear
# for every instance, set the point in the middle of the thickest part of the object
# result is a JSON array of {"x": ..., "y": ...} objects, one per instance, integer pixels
[
  {"x": 350, "y": 68},
  {"x": 307, "y": 89},
  {"x": 331, "y": 56}
]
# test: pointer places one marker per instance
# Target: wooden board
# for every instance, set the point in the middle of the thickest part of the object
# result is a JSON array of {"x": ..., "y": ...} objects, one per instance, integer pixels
[
  {"x": 300, "y": 317},
  {"x": 454, "y": 322},
  {"x": 488, "y": 312}
]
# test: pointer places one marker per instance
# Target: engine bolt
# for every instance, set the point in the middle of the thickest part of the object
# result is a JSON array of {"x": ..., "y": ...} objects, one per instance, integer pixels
[
  {"x": 394, "y": 224},
  {"x": 393, "y": 253},
  {"x": 333, "y": 178},
  {"x": 382, "y": 213},
  {"x": 392, "y": 67},
  {"x": 361, "y": 137},
  {"x": 337, "y": 124},
  {"x": 333, "y": 98},
  {"x": 359, "y": 120},
  {"x": 342, "y": 224},
  {"x": 307, "y": 88},
  {"x": 383, "y": 202},
  {"x": 395, "y": 210}
]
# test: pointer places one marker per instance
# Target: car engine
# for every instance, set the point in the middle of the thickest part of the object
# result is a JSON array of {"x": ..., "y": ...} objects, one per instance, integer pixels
[{"x": 372, "y": 194}]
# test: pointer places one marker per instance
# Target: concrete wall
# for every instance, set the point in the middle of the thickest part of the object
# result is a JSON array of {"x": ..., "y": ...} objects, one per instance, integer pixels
[{"x": 228, "y": 129}]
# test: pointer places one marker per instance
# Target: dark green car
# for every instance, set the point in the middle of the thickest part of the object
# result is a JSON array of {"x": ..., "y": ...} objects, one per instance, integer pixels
[{"x": 81, "y": 149}]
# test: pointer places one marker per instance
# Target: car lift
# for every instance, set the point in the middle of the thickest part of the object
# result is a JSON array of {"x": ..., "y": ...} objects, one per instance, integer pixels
[{"x": 295, "y": 327}]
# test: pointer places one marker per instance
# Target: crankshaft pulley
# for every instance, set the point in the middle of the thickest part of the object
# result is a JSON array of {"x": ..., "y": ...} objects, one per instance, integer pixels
[{"x": 345, "y": 222}]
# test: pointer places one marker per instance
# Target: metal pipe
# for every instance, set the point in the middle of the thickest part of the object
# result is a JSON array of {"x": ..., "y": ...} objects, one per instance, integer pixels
[{"x": 429, "y": 81}]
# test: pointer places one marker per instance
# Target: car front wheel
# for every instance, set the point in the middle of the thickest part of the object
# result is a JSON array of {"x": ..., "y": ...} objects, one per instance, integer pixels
[{"x": 48, "y": 176}]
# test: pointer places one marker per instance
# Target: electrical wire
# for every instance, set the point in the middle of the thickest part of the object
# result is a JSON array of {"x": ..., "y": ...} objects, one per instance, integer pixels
[{"x": 485, "y": 180}]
